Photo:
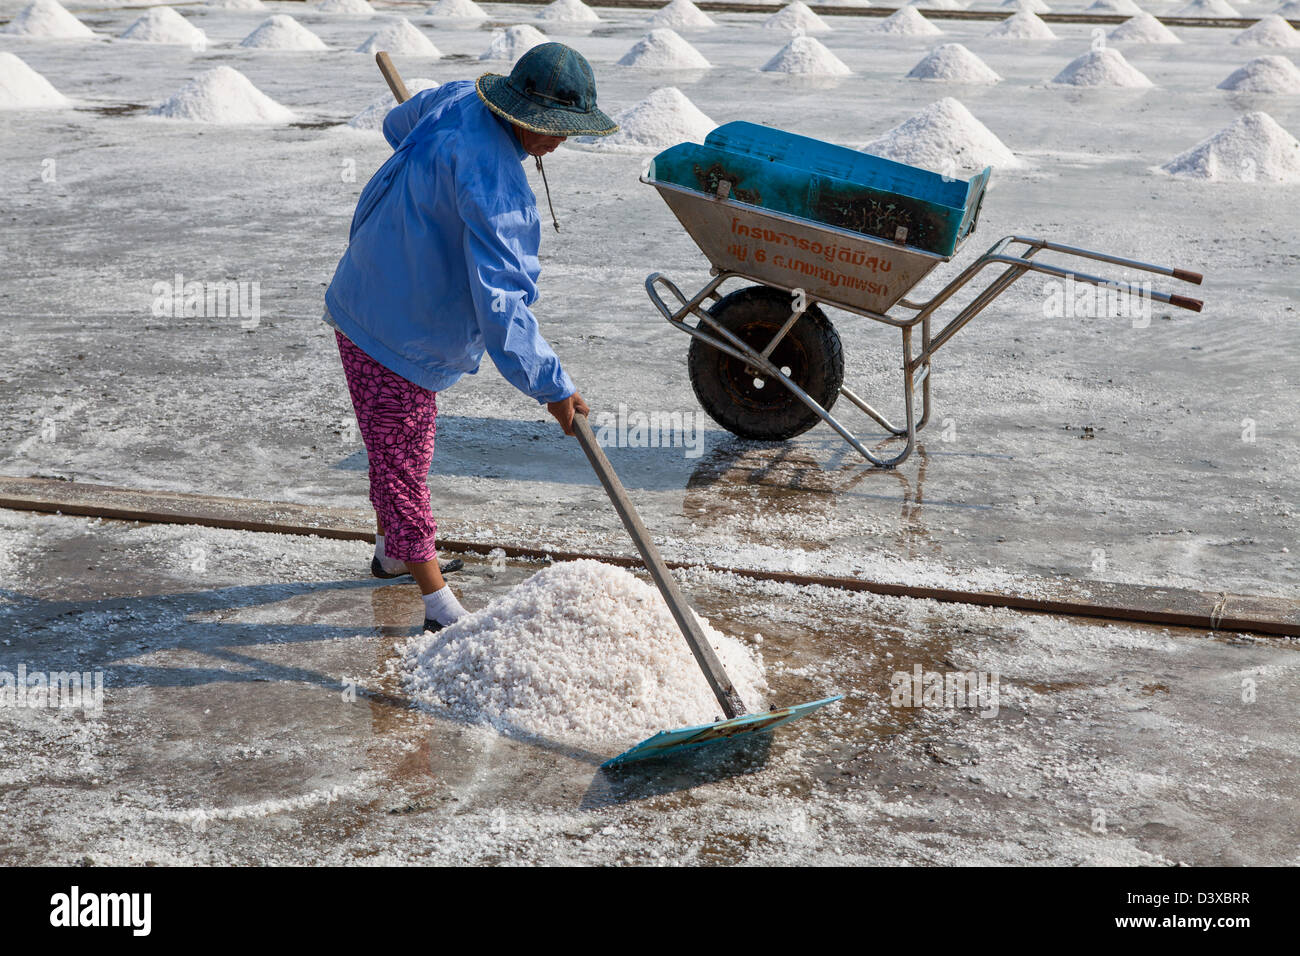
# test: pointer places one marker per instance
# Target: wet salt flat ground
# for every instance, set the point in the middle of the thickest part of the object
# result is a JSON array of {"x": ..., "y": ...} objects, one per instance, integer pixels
[
  {"x": 228, "y": 734},
  {"x": 1082, "y": 446}
]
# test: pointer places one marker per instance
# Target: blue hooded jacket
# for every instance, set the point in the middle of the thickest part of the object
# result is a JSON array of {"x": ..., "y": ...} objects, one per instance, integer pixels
[{"x": 441, "y": 263}]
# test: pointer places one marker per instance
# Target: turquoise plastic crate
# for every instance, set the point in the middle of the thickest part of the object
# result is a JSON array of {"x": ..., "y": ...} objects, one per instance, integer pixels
[{"x": 829, "y": 184}]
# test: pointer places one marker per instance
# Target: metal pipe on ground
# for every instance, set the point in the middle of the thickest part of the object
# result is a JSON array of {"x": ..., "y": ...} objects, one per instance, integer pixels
[{"x": 1270, "y": 616}]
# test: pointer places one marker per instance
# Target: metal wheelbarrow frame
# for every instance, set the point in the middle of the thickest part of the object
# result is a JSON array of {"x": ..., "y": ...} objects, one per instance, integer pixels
[{"x": 714, "y": 221}]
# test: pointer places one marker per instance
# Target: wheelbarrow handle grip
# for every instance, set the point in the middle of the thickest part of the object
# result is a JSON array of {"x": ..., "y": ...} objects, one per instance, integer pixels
[
  {"x": 1195, "y": 278},
  {"x": 1186, "y": 302}
]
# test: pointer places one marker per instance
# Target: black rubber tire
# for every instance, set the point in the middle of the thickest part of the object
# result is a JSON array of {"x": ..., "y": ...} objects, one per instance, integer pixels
[{"x": 811, "y": 350}]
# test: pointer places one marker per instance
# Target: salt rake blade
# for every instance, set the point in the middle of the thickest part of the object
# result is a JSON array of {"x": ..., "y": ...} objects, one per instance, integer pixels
[{"x": 668, "y": 742}]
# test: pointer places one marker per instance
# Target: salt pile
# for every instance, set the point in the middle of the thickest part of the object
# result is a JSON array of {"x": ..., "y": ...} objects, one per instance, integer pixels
[
  {"x": 682, "y": 15},
  {"x": 399, "y": 37},
  {"x": 1265, "y": 74},
  {"x": 237, "y": 4},
  {"x": 1125, "y": 7},
  {"x": 579, "y": 651},
  {"x": 1271, "y": 30},
  {"x": 1252, "y": 149},
  {"x": 797, "y": 16},
  {"x": 664, "y": 118},
  {"x": 936, "y": 4},
  {"x": 1103, "y": 67},
  {"x": 953, "y": 63},
  {"x": 1290, "y": 10},
  {"x": 1037, "y": 6},
  {"x": 48, "y": 19},
  {"x": 943, "y": 134},
  {"x": 664, "y": 50},
  {"x": 1207, "y": 8},
  {"x": 356, "y": 8},
  {"x": 282, "y": 32},
  {"x": 807, "y": 56},
  {"x": 1143, "y": 28},
  {"x": 22, "y": 88},
  {"x": 568, "y": 11},
  {"x": 165, "y": 25},
  {"x": 906, "y": 21},
  {"x": 1024, "y": 25},
  {"x": 456, "y": 10},
  {"x": 222, "y": 95},
  {"x": 513, "y": 42},
  {"x": 371, "y": 119}
]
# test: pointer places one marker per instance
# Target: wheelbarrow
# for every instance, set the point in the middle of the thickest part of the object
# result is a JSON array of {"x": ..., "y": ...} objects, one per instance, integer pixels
[{"x": 810, "y": 222}]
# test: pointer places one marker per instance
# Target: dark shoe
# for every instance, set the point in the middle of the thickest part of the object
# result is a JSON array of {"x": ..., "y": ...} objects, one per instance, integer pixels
[
  {"x": 446, "y": 567},
  {"x": 431, "y": 626},
  {"x": 378, "y": 571}
]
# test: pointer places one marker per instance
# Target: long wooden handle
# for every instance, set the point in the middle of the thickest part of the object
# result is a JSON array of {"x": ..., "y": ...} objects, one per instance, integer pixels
[
  {"x": 718, "y": 680},
  {"x": 392, "y": 76}
]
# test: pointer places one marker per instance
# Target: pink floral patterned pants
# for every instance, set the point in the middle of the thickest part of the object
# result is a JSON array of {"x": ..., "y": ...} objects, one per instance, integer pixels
[{"x": 398, "y": 420}]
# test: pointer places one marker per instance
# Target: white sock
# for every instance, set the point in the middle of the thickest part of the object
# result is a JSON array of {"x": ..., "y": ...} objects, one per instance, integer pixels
[
  {"x": 442, "y": 606},
  {"x": 391, "y": 565}
]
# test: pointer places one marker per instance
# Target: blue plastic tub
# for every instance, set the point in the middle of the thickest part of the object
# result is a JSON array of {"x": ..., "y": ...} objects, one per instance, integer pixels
[{"x": 828, "y": 184}]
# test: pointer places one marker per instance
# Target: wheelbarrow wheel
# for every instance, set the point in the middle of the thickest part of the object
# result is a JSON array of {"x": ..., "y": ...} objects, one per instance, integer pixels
[{"x": 749, "y": 403}]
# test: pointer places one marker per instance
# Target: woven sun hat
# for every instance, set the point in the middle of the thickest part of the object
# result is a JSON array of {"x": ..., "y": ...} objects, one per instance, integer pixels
[{"x": 551, "y": 90}]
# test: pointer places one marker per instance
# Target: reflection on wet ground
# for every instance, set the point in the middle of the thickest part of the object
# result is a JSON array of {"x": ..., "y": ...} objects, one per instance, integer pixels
[{"x": 738, "y": 478}]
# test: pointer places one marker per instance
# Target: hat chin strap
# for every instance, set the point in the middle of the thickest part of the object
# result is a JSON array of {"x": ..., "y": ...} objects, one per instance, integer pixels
[{"x": 547, "y": 187}]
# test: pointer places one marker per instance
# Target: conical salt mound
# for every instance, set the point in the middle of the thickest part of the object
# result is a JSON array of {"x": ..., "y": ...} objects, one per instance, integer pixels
[
  {"x": 568, "y": 11},
  {"x": 796, "y": 16},
  {"x": 1253, "y": 149},
  {"x": 581, "y": 651},
  {"x": 942, "y": 134},
  {"x": 371, "y": 119},
  {"x": 807, "y": 56},
  {"x": 456, "y": 10},
  {"x": 936, "y": 4},
  {"x": 222, "y": 95},
  {"x": 1207, "y": 8},
  {"x": 237, "y": 4},
  {"x": 682, "y": 15},
  {"x": 1265, "y": 74},
  {"x": 1034, "y": 6},
  {"x": 513, "y": 42},
  {"x": 906, "y": 21},
  {"x": 1272, "y": 31},
  {"x": 1103, "y": 67},
  {"x": 1024, "y": 25},
  {"x": 664, "y": 50},
  {"x": 1143, "y": 28},
  {"x": 165, "y": 25},
  {"x": 399, "y": 37},
  {"x": 1290, "y": 10},
  {"x": 953, "y": 63},
  {"x": 1123, "y": 7},
  {"x": 22, "y": 88},
  {"x": 282, "y": 32},
  {"x": 49, "y": 20},
  {"x": 354, "y": 8},
  {"x": 664, "y": 118}
]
